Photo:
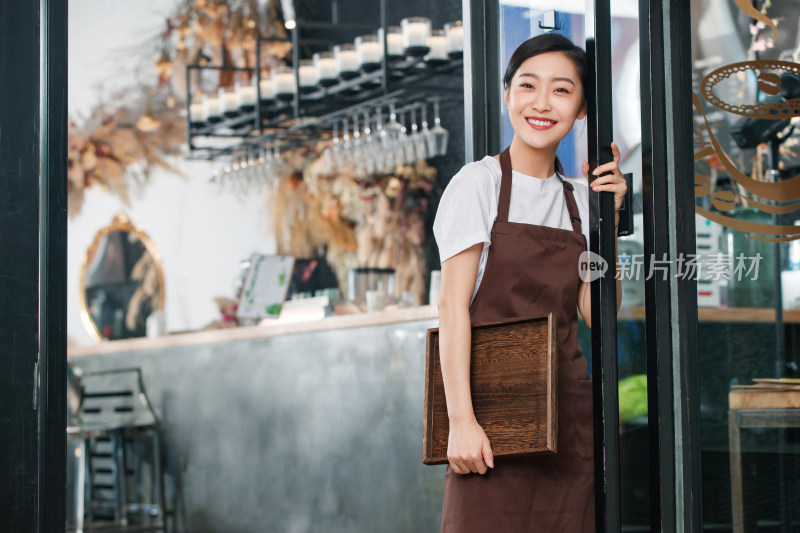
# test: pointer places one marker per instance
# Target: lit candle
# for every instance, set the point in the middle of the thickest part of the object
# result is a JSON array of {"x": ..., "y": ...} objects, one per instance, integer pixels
[
  {"x": 267, "y": 90},
  {"x": 308, "y": 75},
  {"x": 211, "y": 108},
  {"x": 196, "y": 114},
  {"x": 284, "y": 83},
  {"x": 326, "y": 67},
  {"x": 455, "y": 36},
  {"x": 369, "y": 51},
  {"x": 416, "y": 32},
  {"x": 246, "y": 97},
  {"x": 346, "y": 60},
  {"x": 439, "y": 46},
  {"x": 229, "y": 103}
]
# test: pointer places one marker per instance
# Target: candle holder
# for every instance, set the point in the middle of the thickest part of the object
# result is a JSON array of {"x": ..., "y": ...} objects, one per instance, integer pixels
[
  {"x": 346, "y": 61},
  {"x": 455, "y": 37},
  {"x": 283, "y": 83},
  {"x": 196, "y": 115},
  {"x": 369, "y": 52},
  {"x": 212, "y": 111},
  {"x": 266, "y": 91},
  {"x": 439, "y": 47},
  {"x": 307, "y": 73},
  {"x": 327, "y": 71},
  {"x": 416, "y": 32},
  {"x": 246, "y": 97},
  {"x": 394, "y": 42},
  {"x": 228, "y": 102}
]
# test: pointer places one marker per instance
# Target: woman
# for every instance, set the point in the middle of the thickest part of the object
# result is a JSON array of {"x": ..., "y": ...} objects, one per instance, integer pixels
[{"x": 509, "y": 241}]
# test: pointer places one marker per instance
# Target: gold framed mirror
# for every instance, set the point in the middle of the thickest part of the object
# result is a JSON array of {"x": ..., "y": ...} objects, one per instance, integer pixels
[{"x": 122, "y": 282}]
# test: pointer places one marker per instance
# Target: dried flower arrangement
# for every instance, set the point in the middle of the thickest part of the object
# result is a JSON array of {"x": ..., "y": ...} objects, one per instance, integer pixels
[
  {"x": 217, "y": 32},
  {"x": 113, "y": 149},
  {"x": 376, "y": 222},
  {"x": 118, "y": 146}
]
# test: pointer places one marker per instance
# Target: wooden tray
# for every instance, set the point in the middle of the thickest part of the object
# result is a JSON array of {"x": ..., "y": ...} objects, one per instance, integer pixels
[{"x": 513, "y": 379}]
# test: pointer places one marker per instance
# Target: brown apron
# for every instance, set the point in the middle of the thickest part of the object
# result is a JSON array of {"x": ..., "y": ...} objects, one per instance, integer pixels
[{"x": 533, "y": 270}]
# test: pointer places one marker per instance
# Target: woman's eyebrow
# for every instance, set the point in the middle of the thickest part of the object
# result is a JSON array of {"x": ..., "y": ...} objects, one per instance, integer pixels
[{"x": 558, "y": 78}]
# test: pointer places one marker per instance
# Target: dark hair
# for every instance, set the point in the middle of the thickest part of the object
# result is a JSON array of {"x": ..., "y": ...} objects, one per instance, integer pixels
[{"x": 541, "y": 44}]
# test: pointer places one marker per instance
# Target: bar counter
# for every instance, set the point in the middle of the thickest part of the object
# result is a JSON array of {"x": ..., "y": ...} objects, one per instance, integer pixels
[
  {"x": 303, "y": 427},
  {"x": 317, "y": 426},
  {"x": 252, "y": 332}
]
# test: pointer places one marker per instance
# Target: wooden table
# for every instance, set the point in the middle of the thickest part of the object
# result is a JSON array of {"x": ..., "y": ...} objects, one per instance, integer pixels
[{"x": 755, "y": 409}]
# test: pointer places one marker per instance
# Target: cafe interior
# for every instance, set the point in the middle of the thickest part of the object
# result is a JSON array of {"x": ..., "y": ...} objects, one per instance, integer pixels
[{"x": 251, "y": 268}]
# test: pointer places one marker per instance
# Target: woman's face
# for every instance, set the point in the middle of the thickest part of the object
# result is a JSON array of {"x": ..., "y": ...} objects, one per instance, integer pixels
[{"x": 544, "y": 99}]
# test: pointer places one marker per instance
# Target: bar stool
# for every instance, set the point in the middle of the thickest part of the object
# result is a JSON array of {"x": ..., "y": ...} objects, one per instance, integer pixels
[{"x": 119, "y": 455}]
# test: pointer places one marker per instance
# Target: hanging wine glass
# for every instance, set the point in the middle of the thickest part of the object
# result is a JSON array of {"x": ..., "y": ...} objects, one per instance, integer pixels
[
  {"x": 404, "y": 150},
  {"x": 216, "y": 175},
  {"x": 356, "y": 151},
  {"x": 233, "y": 177},
  {"x": 393, "y": 127},
  {"x": 368, "y": 147},
  {"x": 330, "y": 153},
  {"x": 226, "y": 172},
  {"x": 439, "y": 135},
  {"x": 383, "y": 145},
  {"x": 342, "y": 156},
  {"x": 251, "y": 171},
  {"x": 279, "y": 166},
  {"x": 269, "y": 165},
  {"x": 418, "y": 137},
  {"x": 235, "y": 169},
  {"x": 427, "y": 137},
  {"x": 268, "y": 170}
]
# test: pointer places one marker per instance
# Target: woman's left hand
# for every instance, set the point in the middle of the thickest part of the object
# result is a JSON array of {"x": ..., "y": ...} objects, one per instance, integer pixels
[{"x": 614, "y": 182}]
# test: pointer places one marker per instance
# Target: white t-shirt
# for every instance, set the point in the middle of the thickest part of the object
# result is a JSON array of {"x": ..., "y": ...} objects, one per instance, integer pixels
[{"x": 468, "y": 207}]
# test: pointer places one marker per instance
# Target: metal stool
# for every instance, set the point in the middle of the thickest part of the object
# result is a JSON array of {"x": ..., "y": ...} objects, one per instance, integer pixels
[{"x": 119, "y": 455}]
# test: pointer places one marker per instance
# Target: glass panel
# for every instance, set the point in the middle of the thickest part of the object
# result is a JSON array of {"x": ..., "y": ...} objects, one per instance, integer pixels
[
  {"x": 519, "y": 21},
  {"x": 745, "y": 70}
]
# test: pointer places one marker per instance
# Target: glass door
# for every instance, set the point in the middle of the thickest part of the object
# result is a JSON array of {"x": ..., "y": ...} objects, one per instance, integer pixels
[
  {"x": 615, "y": 348},
  {"x": 746, "y": 85}
]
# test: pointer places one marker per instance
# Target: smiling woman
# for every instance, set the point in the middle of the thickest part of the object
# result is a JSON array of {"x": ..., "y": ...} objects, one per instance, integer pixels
[
  {"x": 546, "y": 92},
  {"x": 510, "y": 230}
]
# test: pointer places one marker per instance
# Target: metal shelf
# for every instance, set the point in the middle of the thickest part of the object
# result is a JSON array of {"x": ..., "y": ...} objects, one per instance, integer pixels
[{"x": 308, "y": 116}]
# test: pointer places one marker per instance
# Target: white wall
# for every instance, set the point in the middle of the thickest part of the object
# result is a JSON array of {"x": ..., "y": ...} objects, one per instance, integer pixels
[{"x": 202, "y": 231}]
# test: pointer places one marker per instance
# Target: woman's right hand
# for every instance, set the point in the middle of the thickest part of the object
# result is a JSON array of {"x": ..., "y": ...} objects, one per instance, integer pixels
[{"x": 468, "y": 448}]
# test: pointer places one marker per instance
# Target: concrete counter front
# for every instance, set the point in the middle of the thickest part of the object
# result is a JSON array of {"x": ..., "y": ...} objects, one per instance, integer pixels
[{"x": 312, "y": 427}]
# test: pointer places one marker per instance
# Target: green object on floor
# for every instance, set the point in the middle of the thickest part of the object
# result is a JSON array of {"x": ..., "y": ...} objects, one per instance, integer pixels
[{"x": 632, "y": 397}]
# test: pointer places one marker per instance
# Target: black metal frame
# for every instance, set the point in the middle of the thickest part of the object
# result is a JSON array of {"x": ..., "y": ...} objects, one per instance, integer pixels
[
  {"x": 657, "y": 290},
  {"x": 671, "y": 304},
  {"x": 53, "y": 268},
  {"x": 19, "y": 283},
  {"x": 33, "y": 165},
  {"x": 482, "y": 134},
  {"x": 680, "y": 150},
  {"x": 602, "y": 237}
]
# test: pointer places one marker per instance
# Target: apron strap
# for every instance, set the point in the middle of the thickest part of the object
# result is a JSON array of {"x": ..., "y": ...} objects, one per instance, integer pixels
[
  {"x": 505, "y": 186},
  {"x": 505, "y": 194},
  {"x": 572, "y": 207}
]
